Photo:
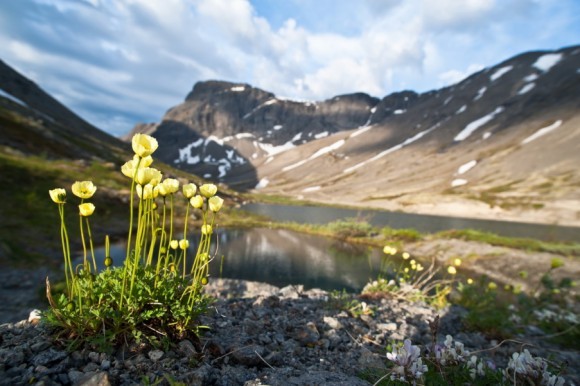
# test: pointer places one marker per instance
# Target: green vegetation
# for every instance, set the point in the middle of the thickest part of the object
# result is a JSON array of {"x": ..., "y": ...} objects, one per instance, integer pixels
[
  {"x": 571, "y": 249},
  {"x": 496, "y": 316},
  {"x": 155, "y": 295}
]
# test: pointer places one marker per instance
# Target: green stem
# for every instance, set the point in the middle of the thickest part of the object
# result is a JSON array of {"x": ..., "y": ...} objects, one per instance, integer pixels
[
  {"x": 184, "y": 254},
  {"x": 130, "y": 233},
  {"x": 91, "y": 244}
]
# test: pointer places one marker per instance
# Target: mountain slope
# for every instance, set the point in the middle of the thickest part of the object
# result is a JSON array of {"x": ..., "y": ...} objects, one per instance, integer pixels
[{"x": 502, "y": 143}]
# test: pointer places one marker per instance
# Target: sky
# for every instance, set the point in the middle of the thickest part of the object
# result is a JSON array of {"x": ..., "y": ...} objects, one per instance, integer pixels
[{"x": 119, "y": 62}]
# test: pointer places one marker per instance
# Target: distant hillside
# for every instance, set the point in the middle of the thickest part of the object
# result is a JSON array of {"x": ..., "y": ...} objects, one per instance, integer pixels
[
  {"x": 502, "y": 143},
  {"x": 44, "y": 145}
]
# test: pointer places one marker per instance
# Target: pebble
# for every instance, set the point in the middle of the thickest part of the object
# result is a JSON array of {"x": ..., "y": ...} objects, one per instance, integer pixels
[{"x": 260, "y": 335}]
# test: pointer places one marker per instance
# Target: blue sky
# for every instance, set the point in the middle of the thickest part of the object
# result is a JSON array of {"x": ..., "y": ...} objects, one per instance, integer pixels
[{"x": 118, "y": 62}]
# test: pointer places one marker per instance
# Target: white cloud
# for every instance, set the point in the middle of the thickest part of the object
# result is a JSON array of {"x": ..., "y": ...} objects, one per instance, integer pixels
[{"x": 137, "y": 58}]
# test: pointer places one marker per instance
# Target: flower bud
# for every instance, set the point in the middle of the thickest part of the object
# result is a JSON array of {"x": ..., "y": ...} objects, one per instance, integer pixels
[
  {"x": 183, "y": 244},
  {"x": 174, "y": 244},
  {"x": 196, "y": 202},
  {"x": 58, "y": 195},
  {"x": 86, "y": 209},
  {"x": 208, "y": 190},
  {"x": 215, "y": 203},
  {"x": 206, "y": 229},
  {"x": 189, "y": 190}
]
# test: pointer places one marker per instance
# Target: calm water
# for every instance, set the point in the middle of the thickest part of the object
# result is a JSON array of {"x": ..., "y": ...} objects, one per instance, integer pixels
[
  {"x": 282, "y": 257},
  {"x": 423, "y": 223}
]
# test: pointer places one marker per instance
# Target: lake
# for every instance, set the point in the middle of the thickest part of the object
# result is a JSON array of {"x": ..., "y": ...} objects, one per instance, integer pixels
[
  {"x": 422, "y": 223},
  {"x": 282, "y": 257}
]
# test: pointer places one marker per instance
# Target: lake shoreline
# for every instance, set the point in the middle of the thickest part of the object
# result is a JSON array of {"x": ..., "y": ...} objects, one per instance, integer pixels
[{"x": 561, "y": 213}]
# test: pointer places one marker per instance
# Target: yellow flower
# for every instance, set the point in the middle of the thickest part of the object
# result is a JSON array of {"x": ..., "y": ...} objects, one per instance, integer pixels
[
  {"x": 171, "y": 185},
  {"x": 189, "y": 190},
  {"x": 208, "y": 190},
  {"x": 183, "y": 244},
  {"x": 457, "y": 262},
  {"x": 492, "y": 286},
  {"x": 144, "y": 145},
  {"x": 556, "y": 263},
  {"x": 413, "y": 262},
  {"x": 86, "y": 209},
  {"x": 58, "y": 195},
  {"x": 215, "y": 203},
  {"x": 148, "y": 176},
  {"x": 470, "y": 281},
  {"x": 145, "y": 161},
  {"x": 196, "y": 202},
  {"x": 388, "y": 250},
  {"x": 128, "y": 169},
  {"x": 174, "y": 244},
  {"x": 406, "y": 255},
  {"x": 420, "y": 267},
  {"x": 406, "y": 269},
  {"x": 206, "y": 229},
  {"x": 84, "y": 189},
  {"x": 451, "y": 270},
  {"x": 145, "y": 192}
]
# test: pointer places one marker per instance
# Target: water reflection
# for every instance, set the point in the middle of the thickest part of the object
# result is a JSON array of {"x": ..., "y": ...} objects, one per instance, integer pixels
[{"x": 282, "y": 257}]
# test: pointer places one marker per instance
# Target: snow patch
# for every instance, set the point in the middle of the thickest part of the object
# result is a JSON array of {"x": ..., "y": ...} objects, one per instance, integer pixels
[
  {"x": 466, "y": 167},
  {"x": 374, "y": 110},
  {"x": 392, "y": 149},
  {"x": 362, "y": 129},
  {"x": 398, "y": 112},
  {"x": 461, "y": 109},
  {"x": 458, "y": 182},
  {"x": 278, "y": 127},
  {"x": 185, "y": 153},
  {"x": 543, "y": 131},
  {"x": 321, "y": 135},
  {"x": 480, "y": 93},
  {"x": 546, "y": 62},
  {"x": 500, "y": 72},
  {"x": 311, "y": 189},
  {"x": 237, "y": 88},
  {"x": 470, "y": 128},
  {"x": 273, "y": 150},
  {"x": 317, "y": 154},
  {"x": 12, "y": 98},
  {"x": 447, "y": 100},
  {"x": 213, "y": 138},
  {"x": 528, "y": 87},
  {"x": 486, "y": 135},
  {"x": 531, "y": 78},
  {"x": 262, "y": 183}
]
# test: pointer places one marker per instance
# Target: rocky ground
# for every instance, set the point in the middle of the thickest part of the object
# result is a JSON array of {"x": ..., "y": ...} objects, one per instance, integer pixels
[{"x": 259, "y": 335}]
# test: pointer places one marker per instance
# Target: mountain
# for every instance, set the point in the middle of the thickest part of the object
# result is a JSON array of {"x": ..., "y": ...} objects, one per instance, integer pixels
[
  {"x": 44, "y": 145},
  {"x": 503, "y": 143},
  {"x": 33, "y": 122}
]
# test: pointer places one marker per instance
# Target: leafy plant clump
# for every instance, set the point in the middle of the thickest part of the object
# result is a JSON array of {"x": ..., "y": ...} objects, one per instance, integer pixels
[{"x": 155, "y": 295}]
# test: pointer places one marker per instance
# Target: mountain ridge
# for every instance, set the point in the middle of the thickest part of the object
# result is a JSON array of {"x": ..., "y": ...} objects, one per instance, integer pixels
[{"x": 498, "y": 144}]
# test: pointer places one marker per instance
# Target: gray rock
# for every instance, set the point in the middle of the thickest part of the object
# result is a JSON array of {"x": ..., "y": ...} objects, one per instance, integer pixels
[
  {"x": 94, "y": 379},
  {"x": 48, "y": 357},
  {"x": 155, "y": 355}
]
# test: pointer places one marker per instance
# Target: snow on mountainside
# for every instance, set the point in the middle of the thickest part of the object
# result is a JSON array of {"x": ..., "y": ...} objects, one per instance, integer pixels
[{"x": 504, "y": 140}]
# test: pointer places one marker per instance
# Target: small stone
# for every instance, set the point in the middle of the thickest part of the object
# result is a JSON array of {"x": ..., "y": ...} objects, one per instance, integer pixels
[
  {"x": 91, "y": 367},
  {"x": 155, "y": 355},
  {"x": 48, "y": 357},
  {"x": 387, "y": 326},
  {"x": 34, "y": 317},
  {"x": 186, "y": 348},
  {"x": 94, "y": 356},
  {"x": 307, "y": 334},
  {"x": 94, "y": 379},
  {"x": 105, "y": 364},
  {"x": 249, "y": 356},
  {"x": 40, "y": 346},
  {"x": 332, "y": 322}
]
